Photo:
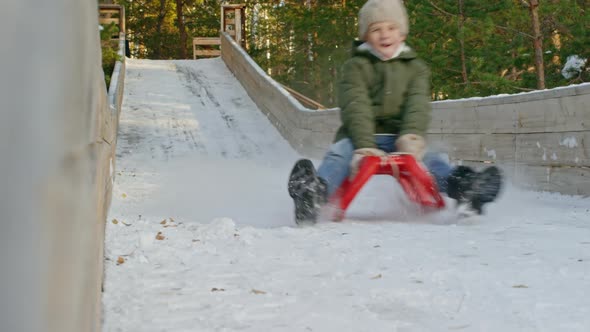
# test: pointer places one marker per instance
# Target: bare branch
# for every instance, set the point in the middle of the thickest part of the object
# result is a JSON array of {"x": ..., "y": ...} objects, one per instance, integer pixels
[
  {"x": 441, "y": 10},
  {"x": 514, "y": 30}
]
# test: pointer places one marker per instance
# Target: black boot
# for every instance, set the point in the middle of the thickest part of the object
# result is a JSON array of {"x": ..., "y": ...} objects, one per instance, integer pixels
[
  {"x": 474, "y": 188},
  {"x": 309, "y": 192}
]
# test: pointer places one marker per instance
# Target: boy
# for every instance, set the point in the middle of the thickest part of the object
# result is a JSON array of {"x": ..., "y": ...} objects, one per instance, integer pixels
[{"x": 384, "y": 97}]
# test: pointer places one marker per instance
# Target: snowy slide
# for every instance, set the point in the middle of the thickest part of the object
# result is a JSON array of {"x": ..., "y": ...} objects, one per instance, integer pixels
[{"x": 201, "y": 235}]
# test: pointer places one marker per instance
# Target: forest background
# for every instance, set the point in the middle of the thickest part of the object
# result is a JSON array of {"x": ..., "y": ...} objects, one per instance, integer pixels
[{"x": 474, "y": 47}]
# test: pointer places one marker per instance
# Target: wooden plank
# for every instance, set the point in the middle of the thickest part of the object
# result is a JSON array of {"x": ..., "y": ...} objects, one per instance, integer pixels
[
  {"x": 566, "y": 180},
  {"x": 107, "y": 6},
  {"x": 231, "y": 32},
  {"x": 230, "y": 21},
  {"x": 206, "y": 41},
  {"x": 207, "y": 53},
  {"x": 545, "y": 149},
  {"x": 109, "y": 11},
  {"x": 222, "y": 27},
  {"x": 554, "y": 149},
  {"x": 474, "y": 147},
  {"x": 470, "y": 120},
  {"x": 570, "y": 113},
  {"x": 108, "y": 21},
  {"x": 238, "y": 26},
  {"x": 308, "y": 102},
  {"x": 563, "y": 114},
  {"x": 234, "y": 6}
]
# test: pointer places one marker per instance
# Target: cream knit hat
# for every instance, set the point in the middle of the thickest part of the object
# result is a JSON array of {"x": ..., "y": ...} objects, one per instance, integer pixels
[{"x": 382, "y": 10}]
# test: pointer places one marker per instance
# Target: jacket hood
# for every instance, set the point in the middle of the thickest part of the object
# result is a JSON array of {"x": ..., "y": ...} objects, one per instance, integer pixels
[{"x": 407, "y": 52}]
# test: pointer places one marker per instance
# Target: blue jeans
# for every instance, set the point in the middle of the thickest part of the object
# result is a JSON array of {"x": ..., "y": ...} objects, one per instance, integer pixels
[{"x": 336, "y": 164}]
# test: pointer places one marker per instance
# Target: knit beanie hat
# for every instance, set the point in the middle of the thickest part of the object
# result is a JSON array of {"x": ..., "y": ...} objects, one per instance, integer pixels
[{"x": 382, "y": 10}]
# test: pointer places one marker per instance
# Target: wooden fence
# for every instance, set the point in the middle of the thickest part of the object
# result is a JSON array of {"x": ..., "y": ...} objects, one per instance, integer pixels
[
  {"x": 202, "y": 47},
  {"x": 110, "y": 13}
]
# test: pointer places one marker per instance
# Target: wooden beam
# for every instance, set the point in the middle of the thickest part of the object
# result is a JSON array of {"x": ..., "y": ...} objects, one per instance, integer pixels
[
  {"x": 304, "y": 99},
  {"x": 206, "y": 41},
  {"x": 109, "y": 11},
  {"x": 108, "y": 21},
  {"x": 208, "y": 53},
  {"x": 234, "y": 6},
  {"x": 238, "y": 26}
]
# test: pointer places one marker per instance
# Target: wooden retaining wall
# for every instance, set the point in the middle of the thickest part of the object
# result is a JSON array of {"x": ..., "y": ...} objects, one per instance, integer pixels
[
  {"x": 541, "y": 139},
  {"x": 57, "y": 167},
  {"x": 308, "y": 131}
]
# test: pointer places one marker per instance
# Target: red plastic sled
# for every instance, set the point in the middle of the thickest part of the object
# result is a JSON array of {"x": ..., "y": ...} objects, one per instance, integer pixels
[{"x": 415, "y": 180}]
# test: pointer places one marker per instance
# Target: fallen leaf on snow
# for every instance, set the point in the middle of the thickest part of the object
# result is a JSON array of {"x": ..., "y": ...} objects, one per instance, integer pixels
[
  {"x": 215, "y": 289},
  {"x": 258, "y": 292},
  {"x": 159, "y": 236},
  {"x": 124, "y": 195},
  {"x": 459, "y": 327},
  {"x": 377, "y": 276},
  {"x": 163, "y": 222},
  {"x": 520, "y": 286},
  {"x": 120, "y": 260},
  {"x": 115, "y": 221}
]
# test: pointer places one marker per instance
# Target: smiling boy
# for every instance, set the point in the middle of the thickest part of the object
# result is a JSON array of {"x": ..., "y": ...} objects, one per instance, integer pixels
[{"x": 384, "y": 97}]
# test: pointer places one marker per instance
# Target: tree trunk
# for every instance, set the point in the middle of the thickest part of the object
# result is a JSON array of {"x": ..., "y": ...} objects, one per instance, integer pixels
[
  {"x": 160, "y": 22},
  {"x": 181, "y": 29},
  {"x": 462, "y": 42},
  {"x": 537, "y": 43}
]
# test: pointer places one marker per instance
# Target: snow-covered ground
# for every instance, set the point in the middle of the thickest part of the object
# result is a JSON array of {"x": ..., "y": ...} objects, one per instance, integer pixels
[{"x": 201, "y": 236}]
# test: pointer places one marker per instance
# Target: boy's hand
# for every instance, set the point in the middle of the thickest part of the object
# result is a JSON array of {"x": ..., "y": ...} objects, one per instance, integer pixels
[
  {"x": 358, "y": 156},
  {"x": 412, "y": 144}
]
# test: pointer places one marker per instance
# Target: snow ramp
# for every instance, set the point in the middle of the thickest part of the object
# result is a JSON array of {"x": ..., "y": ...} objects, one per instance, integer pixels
[{"x": 200, "y": 235}]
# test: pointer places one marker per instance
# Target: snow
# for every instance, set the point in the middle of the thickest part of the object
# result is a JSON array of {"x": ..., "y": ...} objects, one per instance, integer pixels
[
  {"x": 573, "y": 66},
  {"x": 491, "y": 153},
  {"x": 570, "y": 142},
  {"x": 503, "y": 95},
  {"x": 201, "y": 237}
]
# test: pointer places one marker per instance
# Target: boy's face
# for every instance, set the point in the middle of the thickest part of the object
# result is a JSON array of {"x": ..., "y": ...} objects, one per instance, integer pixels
[{"x": 385, "y": 38}]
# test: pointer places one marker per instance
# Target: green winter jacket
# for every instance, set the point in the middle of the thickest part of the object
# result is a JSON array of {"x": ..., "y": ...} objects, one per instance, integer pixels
[{"x": 383, "y": 97}]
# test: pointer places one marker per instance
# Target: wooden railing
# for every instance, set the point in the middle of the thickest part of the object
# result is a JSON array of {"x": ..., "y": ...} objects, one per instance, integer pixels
[
  {"x": 232, "y": 22},
  {"x": 202, "y": 47},
  {"x": 109, "y": 13},
  {"x": 305, "y": 100}
]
